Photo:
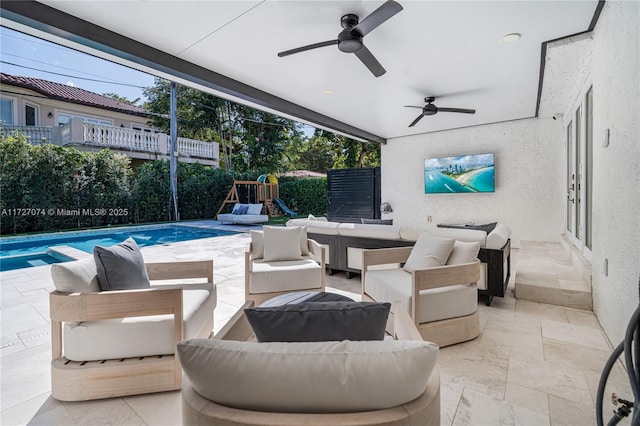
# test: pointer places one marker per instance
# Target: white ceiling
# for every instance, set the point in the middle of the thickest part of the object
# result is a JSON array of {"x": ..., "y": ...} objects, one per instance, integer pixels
[{"x": 447, "y": 49}]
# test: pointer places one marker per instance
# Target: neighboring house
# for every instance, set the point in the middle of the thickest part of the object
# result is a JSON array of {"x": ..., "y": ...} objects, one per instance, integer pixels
[{"x": 65, "y": 115}]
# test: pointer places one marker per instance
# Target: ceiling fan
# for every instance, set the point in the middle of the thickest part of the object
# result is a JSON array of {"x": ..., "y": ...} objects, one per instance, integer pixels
[
  {"x": 350, "y": 40},
  {"x": 431, "y": 109}
]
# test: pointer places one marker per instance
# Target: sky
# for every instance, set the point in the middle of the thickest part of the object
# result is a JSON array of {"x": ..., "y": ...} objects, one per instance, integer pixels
[{"x": 27, "y": 56}]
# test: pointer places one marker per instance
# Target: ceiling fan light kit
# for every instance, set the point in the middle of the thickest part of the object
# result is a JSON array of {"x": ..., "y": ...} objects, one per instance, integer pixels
[
  {"x": 350, "y": 39},
  {"x": 430, "y": 109}
]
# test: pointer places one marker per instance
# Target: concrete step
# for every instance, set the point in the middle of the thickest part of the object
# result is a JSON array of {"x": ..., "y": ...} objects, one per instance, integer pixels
[{"x": 546, "y": 273}]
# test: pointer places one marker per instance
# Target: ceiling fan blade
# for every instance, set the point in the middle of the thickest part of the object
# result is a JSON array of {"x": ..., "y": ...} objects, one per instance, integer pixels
[
  {"x": 370, "y": 61},
  {"x": 308, "y": 47},
  {"x": 412, "y": 106},
  {"x": 462, "y": 110},
  {"x": 378, "y": 17},
  {"x": 414, "y": 122}
]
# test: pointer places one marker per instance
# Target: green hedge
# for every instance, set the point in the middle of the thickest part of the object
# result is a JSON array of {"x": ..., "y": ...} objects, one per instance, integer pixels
[
  {"x": 304, "y": 195},
  {"x": 47, "y": 187}
]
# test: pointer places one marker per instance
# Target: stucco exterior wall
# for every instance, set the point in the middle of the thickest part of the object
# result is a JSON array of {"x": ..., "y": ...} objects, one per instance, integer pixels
[
  {"x": 529, "y": 170},
  {"x": 44, "y": 106},
  {"x": 616, "y": 216}
]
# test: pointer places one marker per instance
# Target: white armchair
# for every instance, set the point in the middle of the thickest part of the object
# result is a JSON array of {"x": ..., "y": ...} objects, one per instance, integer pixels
[
  {"x": 116, "y": 343},
  {"x": 282, "y": 260},
  {"x": 442, "y": 300}
]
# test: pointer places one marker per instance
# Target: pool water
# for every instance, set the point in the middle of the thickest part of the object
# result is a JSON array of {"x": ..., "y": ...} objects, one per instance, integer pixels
[
  {"x": 25, "y": 252},
  {"x": 30, "y": 260}
]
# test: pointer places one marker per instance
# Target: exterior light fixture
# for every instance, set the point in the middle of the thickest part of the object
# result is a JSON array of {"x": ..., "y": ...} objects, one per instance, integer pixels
[
  {"x": 50, "y": 115},
  {"x": 386, "y": 208},
  {"x": 510, "y": 38}
]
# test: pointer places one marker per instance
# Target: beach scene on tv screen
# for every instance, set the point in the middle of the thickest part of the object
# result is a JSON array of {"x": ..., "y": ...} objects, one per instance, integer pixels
[{"x": 465, "y": 173}]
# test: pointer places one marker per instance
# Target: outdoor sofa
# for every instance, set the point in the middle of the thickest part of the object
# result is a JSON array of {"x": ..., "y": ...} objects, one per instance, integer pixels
[
  {"x": 244, "y": 214},
  {"x": 343, "y": 243}
]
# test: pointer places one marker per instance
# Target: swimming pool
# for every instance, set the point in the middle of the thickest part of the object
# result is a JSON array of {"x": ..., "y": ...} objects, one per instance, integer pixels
[{"x": 33, "y": 250}]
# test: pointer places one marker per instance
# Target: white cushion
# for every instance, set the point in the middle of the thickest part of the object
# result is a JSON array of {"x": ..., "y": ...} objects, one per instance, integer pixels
[
  {"x": 317, "y": 218},
  {"x": 429, "y": 251},
  {"x": 79, "y": 276},
  {"x": 298, "y": 222},
  {"x": 243, "y": 218},
  {"x": 139, "y": 336},
  {"x": 288, "y": 275},
  {"x": 304, "y": 244},
  {"x": 434, "y": 304},
  {"x": 330, "y": 377},
  {"x": 257, "y": 244},
  {"x": 389, "y": 232},
  {"x": 316, "y": 226},
  {"x": 254, "y": 209},
  {"x": 498, "y": 237},
  {"x": 412, "y": 233},
  {"x": 463, "y": 252},
  {"x": 282, "y": 243}
]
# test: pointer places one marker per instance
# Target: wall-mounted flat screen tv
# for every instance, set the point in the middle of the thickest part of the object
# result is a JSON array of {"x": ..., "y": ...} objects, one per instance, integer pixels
[{"x": 464, "y": 173}]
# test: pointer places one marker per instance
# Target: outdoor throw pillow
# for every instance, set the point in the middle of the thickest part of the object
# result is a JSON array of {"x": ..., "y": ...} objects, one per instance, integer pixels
[
  {"x": 121, "y": 267},
  {"x": 257, "y": 244},
  {"x": 463, "y": 252},
  {"x": 304, "y": 245},
  {"x": 430, "y": 251},
  {"x": 79, "y": 276},
  {"x": 282, "y": 243},
  {"x": 254, "y": 209},
  {"x": 240, "y": 209},
  {"x": 319, "y": 321}
]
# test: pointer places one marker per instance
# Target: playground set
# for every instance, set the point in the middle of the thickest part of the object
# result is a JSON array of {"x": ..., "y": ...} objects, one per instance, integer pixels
[{"x": 263, "y": 190}]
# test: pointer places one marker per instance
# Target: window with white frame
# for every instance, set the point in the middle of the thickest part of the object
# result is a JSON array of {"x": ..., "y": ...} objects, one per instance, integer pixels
[
  {"x": 6, "y": 111},
  {"x": 30, "y": 115},
  {"x": 65, "y": 118}
]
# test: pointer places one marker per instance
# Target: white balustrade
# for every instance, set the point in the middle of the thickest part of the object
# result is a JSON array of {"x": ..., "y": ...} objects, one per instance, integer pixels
[
  {"x": 36, "y": 135},
  {"x": 119, "y": 137},
  {"x": 78, "y": 132},
  {"x": 195, "y": 148}
]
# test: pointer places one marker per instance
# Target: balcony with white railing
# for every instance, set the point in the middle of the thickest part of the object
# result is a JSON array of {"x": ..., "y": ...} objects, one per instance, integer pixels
[
  {"x": 36, "y": 135},
  {"x": 119, "y": 137},
  {"x": 133, "y": 143}
]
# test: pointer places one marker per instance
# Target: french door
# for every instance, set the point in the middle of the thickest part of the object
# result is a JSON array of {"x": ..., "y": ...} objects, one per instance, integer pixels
[{"x": 579, "y": 200}]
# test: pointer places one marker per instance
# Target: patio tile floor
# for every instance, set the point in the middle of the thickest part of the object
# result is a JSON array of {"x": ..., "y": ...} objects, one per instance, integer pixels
[{"x": 533, "y": 364}]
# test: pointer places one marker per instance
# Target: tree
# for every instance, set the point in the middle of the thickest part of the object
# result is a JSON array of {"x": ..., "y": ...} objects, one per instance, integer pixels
[
  {"x": 200, "y": 116},
  {"x": 316, "y": 154},
  {"x": 350, "y": 153},
  {"x": 250, "y": 140},
  {"x": 119, "y": 98}
]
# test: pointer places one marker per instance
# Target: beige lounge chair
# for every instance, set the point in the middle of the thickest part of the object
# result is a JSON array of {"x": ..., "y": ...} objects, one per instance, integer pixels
[
  {"x": 126, "y": 324},
  {"x": 421, "y": 411},
  {"x": 266, "y": 279},
  {"x": 442, "y": 301}
]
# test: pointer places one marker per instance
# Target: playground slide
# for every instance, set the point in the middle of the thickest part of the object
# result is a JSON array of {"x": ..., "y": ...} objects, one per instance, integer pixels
[{"x": 284, "y": 207}]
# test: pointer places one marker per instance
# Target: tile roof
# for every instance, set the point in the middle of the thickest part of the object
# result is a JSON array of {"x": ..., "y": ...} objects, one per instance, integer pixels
[{"x": 71, "y": 94}]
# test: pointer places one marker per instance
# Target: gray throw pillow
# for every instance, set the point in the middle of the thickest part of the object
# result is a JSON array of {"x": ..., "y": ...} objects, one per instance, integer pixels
[
  {"x": 121, "y": 267},
  {"x": 319, "y": 321}
]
